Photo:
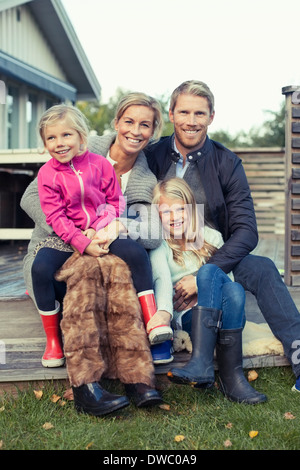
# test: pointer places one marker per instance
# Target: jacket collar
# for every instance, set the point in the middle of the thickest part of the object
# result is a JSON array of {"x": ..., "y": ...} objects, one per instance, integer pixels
[
  {"x": 192, "y": 156},
  {"x": 62, "y": 166}
]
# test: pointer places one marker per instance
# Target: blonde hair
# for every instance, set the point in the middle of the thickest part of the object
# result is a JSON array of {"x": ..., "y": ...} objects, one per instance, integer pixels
[
  {"x": 196, "y": 88},
  {"x": 141, "y": 99},
  {"x": 177, "y": 188},
  {"x": 60, "y": 111}
]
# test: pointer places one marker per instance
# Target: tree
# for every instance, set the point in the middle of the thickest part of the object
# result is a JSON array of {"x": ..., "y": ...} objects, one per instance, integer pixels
[
  {"x": 270, "y": 134},
  {"x": 100, "y": 116}
]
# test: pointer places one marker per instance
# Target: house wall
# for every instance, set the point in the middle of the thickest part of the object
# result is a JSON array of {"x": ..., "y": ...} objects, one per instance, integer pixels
[{"x": 21, "y": 37}]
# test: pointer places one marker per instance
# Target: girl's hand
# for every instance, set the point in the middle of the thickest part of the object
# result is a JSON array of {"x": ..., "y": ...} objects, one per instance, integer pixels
[
  {"x": 89, "y": 233},
  {"x": 96, "y": 248},
  {"x": 186, "y": 287},
  {"x": 161, "y": 317}
]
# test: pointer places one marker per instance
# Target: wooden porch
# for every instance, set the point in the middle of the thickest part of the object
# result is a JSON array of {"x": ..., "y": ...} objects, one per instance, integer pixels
[{"x": 22, "y": 339}]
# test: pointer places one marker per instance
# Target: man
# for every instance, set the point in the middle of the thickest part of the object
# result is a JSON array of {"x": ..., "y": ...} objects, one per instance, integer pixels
[{"x": 218, "y": 180}]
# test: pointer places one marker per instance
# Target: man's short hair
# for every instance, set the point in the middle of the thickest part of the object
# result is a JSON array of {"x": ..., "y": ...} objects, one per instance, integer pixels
[{"x": 193, "y": 87}]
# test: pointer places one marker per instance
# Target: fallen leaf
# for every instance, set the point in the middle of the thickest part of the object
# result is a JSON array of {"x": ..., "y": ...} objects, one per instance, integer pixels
[
  {"x": 89, "y": 445},
  {"x": 227, "y": 443},
  {"x": 2, "y": 409},
  {"x": 179, "y": 438},
  {"x": 164, "y": 406},
  {"x": 55, "y": 398},
  {"x": 48, "y": 426},
  {"x": 1, "y": 444},
  {"x": 62, "y": 402},
  {"x": 228, "y": 425},
  {"x": 38, "y": 394},
  {"x": 253, "y": 434},
  {"x": 252, "y": 375},
  {"x": 289, "y": 415}
]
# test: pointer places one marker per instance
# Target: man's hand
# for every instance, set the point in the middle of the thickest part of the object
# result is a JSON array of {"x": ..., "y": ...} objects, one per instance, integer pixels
[{"x": 184, "y": 303}]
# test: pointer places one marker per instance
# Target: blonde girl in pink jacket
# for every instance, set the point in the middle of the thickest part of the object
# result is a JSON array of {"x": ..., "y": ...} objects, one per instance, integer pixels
[{"x": 79, "y": 195}]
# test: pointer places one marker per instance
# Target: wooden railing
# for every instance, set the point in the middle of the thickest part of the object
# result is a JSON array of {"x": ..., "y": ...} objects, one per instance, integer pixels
[
  {"x": 265, "y": 170},
  {"x": 292, "y": 186}
]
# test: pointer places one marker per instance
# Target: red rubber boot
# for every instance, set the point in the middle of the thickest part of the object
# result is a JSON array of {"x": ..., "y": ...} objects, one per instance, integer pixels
[
  {"x": 158, "y": 334},
  {"x": 53, "y": 355}
]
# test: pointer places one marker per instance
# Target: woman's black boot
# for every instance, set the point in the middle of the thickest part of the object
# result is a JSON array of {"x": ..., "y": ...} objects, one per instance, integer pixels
[
  {"x": 199, "y": 371},
  {"x": 93, "y": 399},
  {"x": 233, "y": 382},
  {"x": 143, "y": 395}
]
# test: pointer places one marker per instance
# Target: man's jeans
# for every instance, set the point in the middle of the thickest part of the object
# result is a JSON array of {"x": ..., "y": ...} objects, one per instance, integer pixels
[
  {"x": 216, "y": 290},
  {"x": 260, "y": 276}
]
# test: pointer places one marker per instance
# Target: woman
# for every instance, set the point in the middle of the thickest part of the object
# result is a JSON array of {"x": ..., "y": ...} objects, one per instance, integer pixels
[
  {"x": 138, "y": 119},
  {"x": 210, "y": 307}
]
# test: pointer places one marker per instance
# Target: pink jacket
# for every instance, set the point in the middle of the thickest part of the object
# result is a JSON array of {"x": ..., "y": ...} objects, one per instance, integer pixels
[{"x": 78, "y": 195}]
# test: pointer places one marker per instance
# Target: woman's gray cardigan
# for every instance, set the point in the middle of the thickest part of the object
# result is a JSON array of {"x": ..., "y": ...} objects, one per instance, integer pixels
[{"x": 142, "y": 221}]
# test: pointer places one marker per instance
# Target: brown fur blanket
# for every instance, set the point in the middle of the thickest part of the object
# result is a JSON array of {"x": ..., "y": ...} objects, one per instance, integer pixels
[{"x": 102, "y": 326}]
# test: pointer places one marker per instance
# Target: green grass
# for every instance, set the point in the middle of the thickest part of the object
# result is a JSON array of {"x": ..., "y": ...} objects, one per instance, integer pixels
[{"x": 205, "y": 418}]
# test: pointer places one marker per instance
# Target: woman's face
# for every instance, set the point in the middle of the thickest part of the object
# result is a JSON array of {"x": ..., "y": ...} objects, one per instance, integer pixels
[
  {"x": 135, "y": 128},
  {"x": 174, "y": 216}
]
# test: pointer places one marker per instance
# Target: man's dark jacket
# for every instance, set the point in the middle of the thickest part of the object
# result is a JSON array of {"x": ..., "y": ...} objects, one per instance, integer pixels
[{"x": 227, "y": 194}]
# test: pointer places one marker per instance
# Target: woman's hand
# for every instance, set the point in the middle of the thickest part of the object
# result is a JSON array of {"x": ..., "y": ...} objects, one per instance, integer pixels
[
  {"x": 161, "y": 317},
  {"x": 109, "y": 233}
]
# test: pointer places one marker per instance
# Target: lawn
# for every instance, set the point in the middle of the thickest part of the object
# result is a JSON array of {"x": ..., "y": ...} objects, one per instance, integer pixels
[{"x": 190, "y": 420}]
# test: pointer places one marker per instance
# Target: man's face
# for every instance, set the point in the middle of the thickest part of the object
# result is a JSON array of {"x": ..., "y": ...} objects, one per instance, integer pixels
[{"x": 191, "y": 118}]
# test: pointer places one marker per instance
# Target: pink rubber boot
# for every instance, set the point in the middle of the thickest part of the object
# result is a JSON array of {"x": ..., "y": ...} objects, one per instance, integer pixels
[{"x": 53, "y": 355}]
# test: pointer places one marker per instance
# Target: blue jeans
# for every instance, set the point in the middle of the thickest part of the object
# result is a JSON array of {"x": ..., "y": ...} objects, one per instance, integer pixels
[
  {"x": 260, "y": 276},
  {"x": 216, "y": 290}
]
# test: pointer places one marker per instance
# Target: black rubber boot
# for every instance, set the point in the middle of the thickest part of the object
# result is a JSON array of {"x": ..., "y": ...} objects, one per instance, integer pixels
[
  {"x": 233, "y": 382},
  {"x": 143, "y": 395},
  {"x": 93, "y": 399},
  {"x": 199, "y": 371}
]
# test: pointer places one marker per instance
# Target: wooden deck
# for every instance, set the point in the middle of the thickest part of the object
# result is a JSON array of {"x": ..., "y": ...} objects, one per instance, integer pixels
[{"x": 22, "y": 339}]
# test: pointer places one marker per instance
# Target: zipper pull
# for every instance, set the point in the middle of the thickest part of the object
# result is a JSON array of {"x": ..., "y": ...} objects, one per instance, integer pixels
[{"x": 78, "y": 172}]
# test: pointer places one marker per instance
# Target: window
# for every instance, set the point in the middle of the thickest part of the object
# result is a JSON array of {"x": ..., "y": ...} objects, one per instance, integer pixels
[
  {"x": 12, "y": 103},
  {"x": 31, "y": 118}
]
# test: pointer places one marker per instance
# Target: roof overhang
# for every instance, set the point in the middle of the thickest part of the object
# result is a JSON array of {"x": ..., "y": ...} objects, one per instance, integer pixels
[{"x": 19, "y": 70}]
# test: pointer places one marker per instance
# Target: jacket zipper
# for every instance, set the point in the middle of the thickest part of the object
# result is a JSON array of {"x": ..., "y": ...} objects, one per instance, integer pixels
[{"x": 77, "y": 173}]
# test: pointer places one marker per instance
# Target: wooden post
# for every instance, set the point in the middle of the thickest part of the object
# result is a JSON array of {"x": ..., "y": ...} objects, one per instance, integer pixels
[{"x": 292, "y": 186}]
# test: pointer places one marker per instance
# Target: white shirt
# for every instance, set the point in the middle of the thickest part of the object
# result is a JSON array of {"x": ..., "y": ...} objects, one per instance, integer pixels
[{"x": 124, "y": 177}]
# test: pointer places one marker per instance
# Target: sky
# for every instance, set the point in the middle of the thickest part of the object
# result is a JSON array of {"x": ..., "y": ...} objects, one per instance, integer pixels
[{"x": 245, "y": 50}]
